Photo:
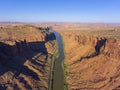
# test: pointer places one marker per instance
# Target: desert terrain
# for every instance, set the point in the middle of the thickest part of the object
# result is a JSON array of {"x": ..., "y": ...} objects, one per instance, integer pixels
[
  {"x": 26, "y": 54},
  {"x": 87, "y": 54},
  {"x": 92, "y": 55}
]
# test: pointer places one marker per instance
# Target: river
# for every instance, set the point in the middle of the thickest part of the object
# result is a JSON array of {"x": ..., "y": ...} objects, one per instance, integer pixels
[{"x": 58, "y": 75}]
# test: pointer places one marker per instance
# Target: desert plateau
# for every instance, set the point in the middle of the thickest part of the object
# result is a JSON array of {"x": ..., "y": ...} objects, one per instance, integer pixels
[
  {"x": 59, "y": 44},
  {"x": 26, "y": 54},
  {"x": 92, "y": 54},
  {"x": 61, "y": 56}
]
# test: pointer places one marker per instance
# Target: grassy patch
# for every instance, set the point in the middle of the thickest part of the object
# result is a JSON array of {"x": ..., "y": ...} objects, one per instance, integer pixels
[
  {"x": 64, "y": 67},
  {"x": 55, "y": 55}
]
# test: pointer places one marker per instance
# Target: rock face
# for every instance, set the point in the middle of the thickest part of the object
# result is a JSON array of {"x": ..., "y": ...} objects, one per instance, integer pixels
[
  {"x": 25, "y": 61},
  {"x": 92, "y": 63},
  {"x": 112, "y": 48}
]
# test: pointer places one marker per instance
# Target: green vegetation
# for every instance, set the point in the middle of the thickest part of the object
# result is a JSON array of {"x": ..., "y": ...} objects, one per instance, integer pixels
[
  {"x": 64, "y": 66},
  {"x": 55, "y": 55},
  {"x": 27, "y": 57},
  {"x": 65, "y": 74}
]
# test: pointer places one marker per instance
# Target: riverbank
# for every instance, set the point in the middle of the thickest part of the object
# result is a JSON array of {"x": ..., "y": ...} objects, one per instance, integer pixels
[
  {"x": 63, "y": 65},
  {"x": 25, "y": 57},
  {"x": 58, "y": 66},
  {"x": 56, "y": 55},
  {"x": 58, "y": 75},
  {"x": 86, "y": 69}
]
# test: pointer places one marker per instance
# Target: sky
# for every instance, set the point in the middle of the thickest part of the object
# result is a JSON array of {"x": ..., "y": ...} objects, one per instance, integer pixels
[{"x": 60, "y": 11}]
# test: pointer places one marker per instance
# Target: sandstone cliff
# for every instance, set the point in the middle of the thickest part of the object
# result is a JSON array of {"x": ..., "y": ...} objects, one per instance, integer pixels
[
  {"x": 25, "y": 57},
  {"x": 92, "y": 63}
]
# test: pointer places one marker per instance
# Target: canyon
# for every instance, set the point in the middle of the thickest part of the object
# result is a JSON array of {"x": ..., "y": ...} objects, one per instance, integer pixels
[
  {"x": 92, "y": 58},
  {"x": 60, "y": 56},
  {"x": 26, "y": 56}
]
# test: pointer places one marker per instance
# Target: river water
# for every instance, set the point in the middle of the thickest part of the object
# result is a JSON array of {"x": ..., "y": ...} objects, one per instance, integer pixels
[{"x": 58, "y": 75}]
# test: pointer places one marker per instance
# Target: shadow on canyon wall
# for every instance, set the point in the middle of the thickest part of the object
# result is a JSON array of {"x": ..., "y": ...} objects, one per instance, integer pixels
[
  {"x": 13, "y": 57},
  {"x": 98, "y": 47}
]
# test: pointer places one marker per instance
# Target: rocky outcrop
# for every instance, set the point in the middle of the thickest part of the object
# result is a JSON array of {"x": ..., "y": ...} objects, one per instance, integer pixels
[
  {"x": 112, "y": 48},
  {"x": 92, "y": 63},
  {"x": 25, "y": 61}
]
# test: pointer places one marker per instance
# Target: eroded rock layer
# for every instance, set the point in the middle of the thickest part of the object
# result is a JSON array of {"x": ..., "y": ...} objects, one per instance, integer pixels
[
  {"x": 25, "y": 57},
  {"x": 92, "y": 63}
]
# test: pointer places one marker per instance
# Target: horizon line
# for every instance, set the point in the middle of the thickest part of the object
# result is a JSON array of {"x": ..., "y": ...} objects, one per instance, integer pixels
[{"x": 29, "y": 22}]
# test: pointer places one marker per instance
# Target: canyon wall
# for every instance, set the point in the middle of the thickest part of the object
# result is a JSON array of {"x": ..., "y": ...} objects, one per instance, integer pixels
[
  {"x": 26, "y": 53},
  {"x": 92, "y": 63}
]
